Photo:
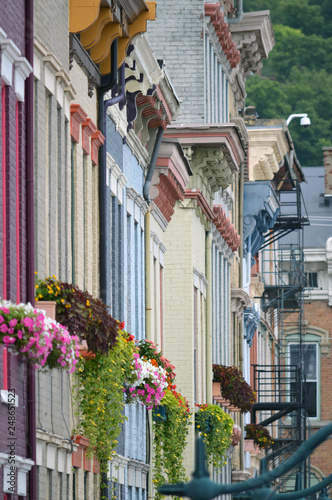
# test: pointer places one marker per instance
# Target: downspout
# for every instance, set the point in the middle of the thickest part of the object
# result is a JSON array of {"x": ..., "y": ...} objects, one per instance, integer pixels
[
  {"x": 102, "y": 169},
  {"x": 241, "y": 193},
  {"x": 209, "y": 378},
  {"x": 106, "y": 86},
  {"x": 146, "y": 192},
  {"x": 239, "y": 13},
  {"x": 148, "y": 294},
  {"x": 32, "y": 444}
]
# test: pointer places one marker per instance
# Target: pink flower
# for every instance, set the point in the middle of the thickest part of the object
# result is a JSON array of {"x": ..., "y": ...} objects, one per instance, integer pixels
[
  {"x": 13, "y": 322},
  {"x": 3, "y": 328},
  {"x": 5, "y": 310},
  {"x": 1, "y": 320},
  {"x": 20, "y": 334},
  {"x": 8, "y": 340}
]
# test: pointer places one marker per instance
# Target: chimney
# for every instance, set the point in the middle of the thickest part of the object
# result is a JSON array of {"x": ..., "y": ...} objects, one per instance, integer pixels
[{"x": 327, "y": 152}]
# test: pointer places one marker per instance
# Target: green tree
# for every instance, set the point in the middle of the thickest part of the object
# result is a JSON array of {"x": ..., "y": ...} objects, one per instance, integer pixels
[{"x": 297, "y": 76}]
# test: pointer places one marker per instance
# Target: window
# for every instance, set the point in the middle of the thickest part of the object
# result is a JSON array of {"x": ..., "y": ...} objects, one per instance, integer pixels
[
  {"x": 310, "y": 280},
  {"x": 310, "y": 373}
]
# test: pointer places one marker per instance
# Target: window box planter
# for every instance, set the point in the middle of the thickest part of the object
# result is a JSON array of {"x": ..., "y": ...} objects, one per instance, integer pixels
[{"x": 49, "y": 306}]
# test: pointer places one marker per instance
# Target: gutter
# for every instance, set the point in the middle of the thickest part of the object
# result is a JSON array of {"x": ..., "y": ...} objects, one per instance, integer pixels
[
  {"x": 29, "y": 167},
  {"x": 239, "y": 13},
  {"x": 107, "y": 85}
]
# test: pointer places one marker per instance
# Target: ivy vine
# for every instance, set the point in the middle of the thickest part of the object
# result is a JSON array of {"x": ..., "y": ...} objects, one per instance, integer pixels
[
  {"x": 169, "y": 441},
  {"x": 216, "y": 429},
  {"x": 99, "y": 395}
]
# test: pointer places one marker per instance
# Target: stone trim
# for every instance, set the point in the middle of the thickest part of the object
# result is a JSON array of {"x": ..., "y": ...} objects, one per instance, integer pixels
[
  {"x": 197, "y": 194},
  {"x": 158, "y": 216},
  {"x": 97, "y": 139},
  {"x": 239, "y": 301},
  {"x": 88, "y": 129},
  {"x": 77, "y": 117},
  {"x": 308, "y": 329},
  {"x": 21, "y": 468},
  {"x": 11, "y": 58},
  {"x": 200, "y": 282}
]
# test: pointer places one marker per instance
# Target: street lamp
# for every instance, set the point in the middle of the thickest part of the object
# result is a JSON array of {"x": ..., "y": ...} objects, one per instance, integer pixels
[
  {"x": 305, "y": 120},
  {"x": 202, "y": 488}
]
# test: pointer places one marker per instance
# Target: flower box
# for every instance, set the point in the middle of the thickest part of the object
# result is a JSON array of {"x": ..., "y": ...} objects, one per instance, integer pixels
[
  {"x": 250, "y": 446},
  {"x": 84, "y": 351},
  {"x": 159, "y": 413},
  {"x": 49, "y": 306}
]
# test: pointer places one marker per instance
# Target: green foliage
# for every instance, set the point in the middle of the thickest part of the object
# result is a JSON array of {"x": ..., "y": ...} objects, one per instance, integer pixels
[
  {"x": 259, "y": 434},
  {"x": 233, "y": 387},
  {"x": 297, "y": 76},
  {"x": 169, "y": 441},
  {"x": 216, "y": 428},
  {"x": 98, "y": 385},
  {"x": 83, "y": 315}
]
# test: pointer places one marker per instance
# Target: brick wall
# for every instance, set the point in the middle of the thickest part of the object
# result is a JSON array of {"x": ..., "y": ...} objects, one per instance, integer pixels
[{"x": 177, "y": 37}]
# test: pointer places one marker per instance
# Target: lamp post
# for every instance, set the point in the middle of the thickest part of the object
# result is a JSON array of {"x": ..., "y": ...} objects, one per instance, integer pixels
[{"x": 202, "y": 488}]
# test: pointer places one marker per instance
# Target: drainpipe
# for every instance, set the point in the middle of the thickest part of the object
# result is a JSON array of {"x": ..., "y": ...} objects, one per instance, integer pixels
[
  {"x": 106, "y": 86},
  {"x": 31, "y": 372},
  {"x": 239, "y": 13},
  {"x": 102, "y": 168},
  {"x": 148, "y": 294},
  {"x": 146, "y": 192},
  {"x": 154, "y": 156},
  {"x": 208, "y": 250},
  {"x": 241, "y": 194}
]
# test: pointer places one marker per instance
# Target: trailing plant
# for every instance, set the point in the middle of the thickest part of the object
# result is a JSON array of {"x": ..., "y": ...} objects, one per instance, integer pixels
[
  {"x": 169, "y": 441},
  {"x": 259, "y": 434},
  {"x": 216, "y": 429},
  {"x": 83, "y": 315},
  {"x": 38, "y": 339},
  {"x": 234, "y": 387},
  {"x": 99, "y": 394}
]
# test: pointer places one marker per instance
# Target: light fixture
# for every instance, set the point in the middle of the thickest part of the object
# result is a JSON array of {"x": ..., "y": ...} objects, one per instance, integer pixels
[{"x": 305, "y": 120}]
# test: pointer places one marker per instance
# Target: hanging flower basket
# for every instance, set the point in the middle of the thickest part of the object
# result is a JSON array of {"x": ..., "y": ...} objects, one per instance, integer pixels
[
  {"x": 147, "y": 383},
  {"x": 234, "y": 388},
  {"x": 216, "y": 429},
  {"x": 159, "y": 413},
  {"x": 36, "y": 338},
  {"x": 259, "y": 434}
]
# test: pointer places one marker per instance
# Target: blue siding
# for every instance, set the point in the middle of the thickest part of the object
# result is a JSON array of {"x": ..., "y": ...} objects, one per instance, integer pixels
[{"x": 126, "y": 285}]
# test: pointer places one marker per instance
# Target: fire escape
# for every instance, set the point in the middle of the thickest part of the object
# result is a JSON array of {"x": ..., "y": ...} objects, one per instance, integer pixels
[{"x": 282, "y": 403}]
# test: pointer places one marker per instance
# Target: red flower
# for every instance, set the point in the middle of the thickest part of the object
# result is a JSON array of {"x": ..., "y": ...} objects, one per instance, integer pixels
[{"x": 122, "y": 325}]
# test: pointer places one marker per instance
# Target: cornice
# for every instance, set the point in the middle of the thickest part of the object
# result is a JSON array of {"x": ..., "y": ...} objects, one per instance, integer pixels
[
  {"x": 267, "y": 148},
  {"x": 167, "y": 191},
  {"x": 227, "y": 136},
  {"x": 226, "y": 228},
  {"x": 221, "y": 244},
  {"x": 239, "y": 301},
  {"x": 100, "y": 25},
  {"x": 254, "y": 37},
  {"x": 210, "y": 167},
  {"x": 217, "y": 19}
]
